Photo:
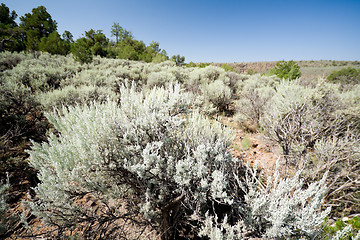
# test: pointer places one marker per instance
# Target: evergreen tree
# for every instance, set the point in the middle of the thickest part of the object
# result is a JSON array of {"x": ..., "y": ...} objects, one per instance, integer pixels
[
  {"x": 179, "y": 60},
  {"x": 37, "y": 25},
  {"x": 120, "y": 33},
  {"x": 9, "y": 31},
  {"x": 286, "y": 69},
  {"x": 81, "y": 51},
  {"x": 54, "y": 44}
]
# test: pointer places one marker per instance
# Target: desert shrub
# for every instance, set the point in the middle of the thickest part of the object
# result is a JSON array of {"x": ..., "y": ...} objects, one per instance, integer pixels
[
  {"x": 253, "y": 94},
  {"x": 351, "y": 114},
  {"x": 202, "y": 65},
  {"x": 160, "y": 79},
  {"x": 20, "y": 121},
  {"x": 142, "y": 152},
  {"x": 341, "y": 230},
  {"x": 9, "y": 60},
  {"x": 18, "y": 110},
  {"x": 352, "y": 96},
  {"x": 110, "y": 73},
  {"x": 166, "y": 170},
  {"x": 278, "y": 209},
  {"x": 218, "y": 94},
  {"x": 3, "y": 209},
  {"x": 228, "y": 67},
  {"x": 339, "y": 156},
  {"x": 345, "y": 76},
  {"x": 211, "y": 73},
  {"x": 43, "y": 73},
  {"x": 70, "y": 95},
  {"x": 286, "y": 70},
  {"x": 8, "y": 221},
  {"x": 234, "y": 81},
  {"x": 92, "y": 77},
  {"x": 251, "y": 71},
  {"x": 203, "y": 76},
  {"x": 317, "y": 129},
  {"x": 298, "y": 115}
]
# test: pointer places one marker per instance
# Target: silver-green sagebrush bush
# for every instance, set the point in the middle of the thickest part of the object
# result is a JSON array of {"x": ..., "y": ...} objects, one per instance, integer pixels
[
  {"x": 8, "y": 220},
  {"x": 318, "y": 128},
  {"x": 9, "y": 60},
  {"x": 43, "y": 73},
  {"x": 3, "y": 209},
  {"x": 144, "y": 152},
  {"x": 217, "y": 94},
  {"x": 254, "y": 93},
  {"x": 145, "y": 162},
  {"x": 340, "y": 156},
  {"x": 70, "y": 95},
  {"x": 278, "y": 209},
  {"x": 297, "y": 115}
]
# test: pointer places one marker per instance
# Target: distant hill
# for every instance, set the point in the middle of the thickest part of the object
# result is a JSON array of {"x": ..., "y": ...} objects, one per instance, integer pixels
[{"x": 309, "y": 69}]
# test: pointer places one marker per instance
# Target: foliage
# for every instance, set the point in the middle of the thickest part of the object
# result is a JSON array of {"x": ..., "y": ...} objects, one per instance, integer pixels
[
  {"x": 132, "y": 49},
  {"x": 203, "y": 65},
  {"x": 218, "y": 94},
  {"x": 36, "y": 25},
  {"x": 160, "y": 57},
  {"x": 228, "y": 67},
  {"x": 7, "y": 17},
  {"x": 172, "y": 169},
  {"x": 277, "y": 209},
  {"x": 286, "y": 70},
  {"x": 190, "y": 64},
  {"x": 68, "y": 37},
  {"x": 317, "y": 129},
  {"x": 9, "y": 32},
  {"x": 245, "y": 143},
  {"x": 81, "y": 52},
  {"x": 340, "y": 156},
  {"x": 3, "y": 209},
  {"x": 20, "y": 120},
  {"x": 42, "y": 73},
  {"x": 16, "y": 102},
  {"x": 160, "y": 79},
  {"x": 254, "y": 93},
  {"x": 54, "y": 44},
  {"x": 162, "y": 158},
  {"x": 70, "y": 95},
  {"x": 341, "y": 230},
  {"x": 345, "y": 76},
  {"x": 37, "y": 32},
  {"x": 301, "y": 115},
  {"x": 251, "y": 71},
  {"x": 88, "y": 184},
  {"x": 179, "y": 60},
  {"x": 120, "y": 33},
  {"x": 8, "y": 221},
  {"x": 9, "y": 60}
]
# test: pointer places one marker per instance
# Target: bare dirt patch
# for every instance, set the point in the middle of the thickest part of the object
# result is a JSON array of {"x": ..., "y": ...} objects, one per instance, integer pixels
[{"x": 253, "y": 148}]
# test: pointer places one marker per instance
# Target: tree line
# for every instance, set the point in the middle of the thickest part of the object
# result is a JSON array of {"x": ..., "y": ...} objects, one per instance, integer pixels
[{"x": 37, "y": 31}]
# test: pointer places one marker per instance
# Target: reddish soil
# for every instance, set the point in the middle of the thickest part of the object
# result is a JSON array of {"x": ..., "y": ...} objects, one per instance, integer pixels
[{"x": 260, "y": 151}]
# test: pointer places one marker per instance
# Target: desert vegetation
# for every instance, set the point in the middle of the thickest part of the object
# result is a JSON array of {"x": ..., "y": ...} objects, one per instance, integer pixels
[
  {"x": 104, "y": 140},
  {"x": 118, "y": 148}
]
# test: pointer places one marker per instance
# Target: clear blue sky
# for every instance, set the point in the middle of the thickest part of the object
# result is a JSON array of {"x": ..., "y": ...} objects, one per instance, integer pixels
[{"x": 220, "y": 31}]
